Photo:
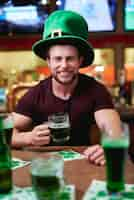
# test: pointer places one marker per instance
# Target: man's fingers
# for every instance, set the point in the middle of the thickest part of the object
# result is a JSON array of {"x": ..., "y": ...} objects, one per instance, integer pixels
[
  {"x": 41, "y": 140},
  {"x": 98, "y": 153},
  {"x": 41, "y": 127},
  {"x": 42, "y": 133},
  {"x": 95, "y": 154},
  {"x": 100, "y": 160},
  {"x": 91, "y": 150}
]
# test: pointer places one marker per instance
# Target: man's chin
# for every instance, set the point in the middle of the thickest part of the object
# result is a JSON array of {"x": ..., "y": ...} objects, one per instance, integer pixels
[{"x": 65, "y": 82}]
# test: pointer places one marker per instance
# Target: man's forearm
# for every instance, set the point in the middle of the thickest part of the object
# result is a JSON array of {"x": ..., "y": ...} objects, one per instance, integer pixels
[{"x": 21, "y": 139}]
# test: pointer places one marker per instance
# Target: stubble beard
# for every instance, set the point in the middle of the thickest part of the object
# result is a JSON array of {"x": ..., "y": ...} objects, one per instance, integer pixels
[{"x": 65, "y": 82}]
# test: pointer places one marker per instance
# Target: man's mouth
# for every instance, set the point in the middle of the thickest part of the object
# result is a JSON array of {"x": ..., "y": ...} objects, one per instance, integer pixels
[{"x": 64, "y": 73}]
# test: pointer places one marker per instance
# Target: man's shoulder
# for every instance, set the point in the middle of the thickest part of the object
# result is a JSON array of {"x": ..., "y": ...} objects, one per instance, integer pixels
[
  {"x": 37, "y": 89},
  {"x": 91, "y": 86},
  {"x": 42, "y": 84},
  {"x": 89, "y": 81}
]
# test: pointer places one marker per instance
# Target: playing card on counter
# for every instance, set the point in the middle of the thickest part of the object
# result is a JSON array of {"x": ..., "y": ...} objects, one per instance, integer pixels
[
  {"x": 97, "y": 191},
  {"x": 27, "y": 193},
  {"x": 71, "y": 155},
  {"x": 16, "y": 163}
]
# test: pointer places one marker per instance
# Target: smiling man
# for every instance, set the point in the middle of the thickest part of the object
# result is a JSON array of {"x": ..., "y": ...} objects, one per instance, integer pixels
[{"x": 66, "y": 48}]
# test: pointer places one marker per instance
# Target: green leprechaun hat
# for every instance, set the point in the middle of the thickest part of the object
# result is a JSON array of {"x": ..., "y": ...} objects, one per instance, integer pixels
[{"x": 65, "y": 27}]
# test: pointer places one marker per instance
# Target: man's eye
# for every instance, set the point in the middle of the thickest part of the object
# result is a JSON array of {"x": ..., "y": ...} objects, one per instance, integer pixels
[
  {"x": 57, "y": 59},
  {"x": 70, "y": 59}
]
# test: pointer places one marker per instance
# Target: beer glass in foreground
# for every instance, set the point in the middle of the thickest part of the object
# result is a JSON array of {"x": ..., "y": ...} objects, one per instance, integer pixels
[
  {"x": 115, "y": 146},
  {"x": 5, "y": 162},
  {"x": 8, "y": 127},
  {"x": 60, "y": 127},
  {"x": 47, "y": 176}
]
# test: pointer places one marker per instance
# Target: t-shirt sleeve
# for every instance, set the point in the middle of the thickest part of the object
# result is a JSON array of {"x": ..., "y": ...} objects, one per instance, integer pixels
[
  {"x": 103, "y": 98},
  {"x": 25, "y": 105}
]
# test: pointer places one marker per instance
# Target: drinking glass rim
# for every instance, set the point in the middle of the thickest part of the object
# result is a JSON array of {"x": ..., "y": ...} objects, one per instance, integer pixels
[{"x": 46, "y": 157}]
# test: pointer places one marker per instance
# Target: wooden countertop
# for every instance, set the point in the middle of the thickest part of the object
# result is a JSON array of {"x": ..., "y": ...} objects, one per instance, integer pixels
[{"x": 78, "y": 172}]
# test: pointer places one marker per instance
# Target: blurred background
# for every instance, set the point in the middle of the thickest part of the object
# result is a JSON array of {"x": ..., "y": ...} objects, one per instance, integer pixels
[{"x": 111, "y": 33}]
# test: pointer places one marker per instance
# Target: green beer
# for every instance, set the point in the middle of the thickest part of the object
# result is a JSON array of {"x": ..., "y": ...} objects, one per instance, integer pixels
[
  {"x": 8, "y": 135},
  {"x": 47, "y": 176},
  {"x": 45, "y": 187},
  {"x": 5, "y": 162},
  {"x": 8, "y": 128},
  {"x": 115, "y": 153},
  {"x": 5, "y": 180}
]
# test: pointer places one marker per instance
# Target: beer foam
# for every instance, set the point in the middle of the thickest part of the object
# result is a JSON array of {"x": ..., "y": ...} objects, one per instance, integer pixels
[
  {"x": 115, "y": 143},
  {"x": 59, "y": 125},
  {"x": 42, "y": 172},
  {"x": 49, "y": 167}
]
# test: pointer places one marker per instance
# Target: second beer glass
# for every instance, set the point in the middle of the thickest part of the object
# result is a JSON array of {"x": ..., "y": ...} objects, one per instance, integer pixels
[
  {"x": 115, "y": 144},
  {"x": 47, "y": 176}
]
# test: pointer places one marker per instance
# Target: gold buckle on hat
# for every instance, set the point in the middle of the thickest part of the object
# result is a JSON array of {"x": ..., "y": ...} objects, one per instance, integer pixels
[{"x": 56, "y": 33}]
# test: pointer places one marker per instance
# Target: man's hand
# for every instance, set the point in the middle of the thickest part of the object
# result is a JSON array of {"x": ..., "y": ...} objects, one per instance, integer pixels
[
  {"x": 95, "y": 154},
  {"x": 40, "y": 135}
]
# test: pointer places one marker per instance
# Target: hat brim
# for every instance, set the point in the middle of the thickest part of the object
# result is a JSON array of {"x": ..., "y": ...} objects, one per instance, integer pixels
[{"x": 86, "y": 50}]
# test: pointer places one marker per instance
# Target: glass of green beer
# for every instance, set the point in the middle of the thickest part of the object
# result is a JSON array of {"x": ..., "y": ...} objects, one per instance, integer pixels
[
  {"x": 115, "y": 144},
  {"x": 47, "y": 176},
  {"x": 8, "y": 127}
]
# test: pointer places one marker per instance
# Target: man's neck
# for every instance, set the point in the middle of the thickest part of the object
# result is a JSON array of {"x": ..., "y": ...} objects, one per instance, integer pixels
[{"x": 63, "y": 91}]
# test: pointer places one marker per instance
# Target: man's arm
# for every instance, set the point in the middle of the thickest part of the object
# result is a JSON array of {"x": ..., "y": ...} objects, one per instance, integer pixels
[
  {"x": 106, "y": 119},
  {"x": 24, "y": 136}
]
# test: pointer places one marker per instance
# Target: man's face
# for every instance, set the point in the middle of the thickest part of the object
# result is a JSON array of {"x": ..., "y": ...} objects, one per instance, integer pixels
[{"x": 64, "y": 61}]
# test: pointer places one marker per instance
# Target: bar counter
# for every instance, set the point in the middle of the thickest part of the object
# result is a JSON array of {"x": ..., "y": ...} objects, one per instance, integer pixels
[{"x": 77, "y": 172}]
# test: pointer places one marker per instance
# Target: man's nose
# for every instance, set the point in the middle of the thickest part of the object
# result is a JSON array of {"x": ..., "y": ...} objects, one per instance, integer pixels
[{"x": 64, "y": 63}]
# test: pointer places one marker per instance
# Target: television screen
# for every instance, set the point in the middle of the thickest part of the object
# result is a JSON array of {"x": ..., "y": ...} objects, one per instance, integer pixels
[
  {"x": 100, "y": 15},
  {"x": 22, "y": 19},
  {"x": 129, "y": 15}
]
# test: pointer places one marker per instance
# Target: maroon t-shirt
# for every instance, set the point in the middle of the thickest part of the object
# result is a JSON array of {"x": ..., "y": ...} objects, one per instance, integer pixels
[{"x": 88, "y": 97}]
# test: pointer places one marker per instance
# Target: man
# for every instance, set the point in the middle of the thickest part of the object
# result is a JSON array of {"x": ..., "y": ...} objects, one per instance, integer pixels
[{"x": 66, "y": 49}]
